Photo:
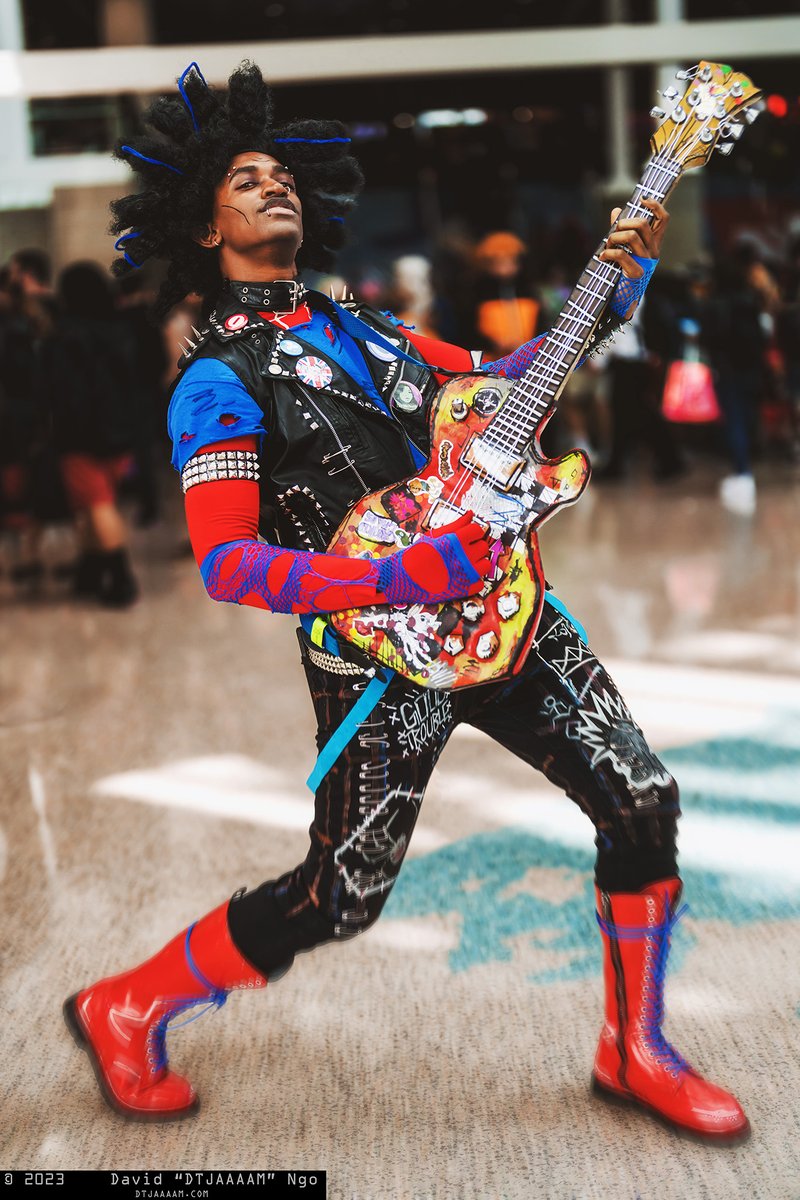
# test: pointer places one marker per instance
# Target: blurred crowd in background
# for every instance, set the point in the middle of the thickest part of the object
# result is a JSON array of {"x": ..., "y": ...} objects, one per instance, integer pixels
[{"x": 706, "y": 376}]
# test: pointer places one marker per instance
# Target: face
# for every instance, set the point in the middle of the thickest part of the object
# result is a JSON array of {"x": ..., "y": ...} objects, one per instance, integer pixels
[{"x": 257, "y": 212}]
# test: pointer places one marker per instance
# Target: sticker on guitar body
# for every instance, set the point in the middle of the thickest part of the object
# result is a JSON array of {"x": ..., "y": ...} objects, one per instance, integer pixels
[{"x": 414, "y": 631}]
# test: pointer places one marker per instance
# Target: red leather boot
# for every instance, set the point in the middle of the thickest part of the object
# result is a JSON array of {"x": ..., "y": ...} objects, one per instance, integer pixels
[
  {"x": 634, "y": 1061},
  {"x": 121, "y": 1022}
]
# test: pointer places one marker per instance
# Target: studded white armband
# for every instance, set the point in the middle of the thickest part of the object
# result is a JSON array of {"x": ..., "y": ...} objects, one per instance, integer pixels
[{"x": 219, "y": 464}]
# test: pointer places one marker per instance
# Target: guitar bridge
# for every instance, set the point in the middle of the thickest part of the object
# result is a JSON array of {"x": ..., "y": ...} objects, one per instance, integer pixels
[{"x": 492, "y": 462}]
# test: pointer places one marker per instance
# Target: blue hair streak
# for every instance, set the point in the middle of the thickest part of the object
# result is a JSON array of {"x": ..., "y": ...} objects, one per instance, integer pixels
[
  {"x": 155, "y": 161},
  {"x": 191, "y": 67},
  {"x": 118, "y": 246}
]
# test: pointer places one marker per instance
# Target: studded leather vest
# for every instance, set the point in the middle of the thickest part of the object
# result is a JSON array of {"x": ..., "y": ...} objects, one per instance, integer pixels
[{"x": 325, "y": 446}]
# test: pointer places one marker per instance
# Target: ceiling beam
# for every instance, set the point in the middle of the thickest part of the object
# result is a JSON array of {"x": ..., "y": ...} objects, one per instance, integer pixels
[{"x": 111, "y": 70}]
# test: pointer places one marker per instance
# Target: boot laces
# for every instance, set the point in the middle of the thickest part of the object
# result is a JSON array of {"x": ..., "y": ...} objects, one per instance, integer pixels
[
  {"x": 657, "y": 937},
  {"x": 663, "y": 1051},
  {"x": 157, "y": 1034}
]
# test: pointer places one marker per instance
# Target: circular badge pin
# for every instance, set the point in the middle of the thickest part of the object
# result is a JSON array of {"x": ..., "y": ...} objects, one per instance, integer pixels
[
  {"x": 381, "y": 352},
  {"x": 314, "y": 371},
  {"x": 290, "y": 346},
  {"x": 236, "y": 321},
  {"x": 407, "y": 397},
  {"x": 274, "y": 369}
]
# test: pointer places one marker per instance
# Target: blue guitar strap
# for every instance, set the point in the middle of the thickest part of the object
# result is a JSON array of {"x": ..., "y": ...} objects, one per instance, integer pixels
[
  {"x": 362, "y": 332},
  {"x": 321, "y": 634}
]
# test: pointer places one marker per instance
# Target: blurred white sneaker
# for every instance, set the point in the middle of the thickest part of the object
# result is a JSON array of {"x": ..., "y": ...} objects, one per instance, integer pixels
[{"x": 738, "y": 494}]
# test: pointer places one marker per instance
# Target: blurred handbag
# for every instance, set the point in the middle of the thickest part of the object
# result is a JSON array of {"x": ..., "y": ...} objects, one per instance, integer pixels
[{"x": 689, "y": 397}]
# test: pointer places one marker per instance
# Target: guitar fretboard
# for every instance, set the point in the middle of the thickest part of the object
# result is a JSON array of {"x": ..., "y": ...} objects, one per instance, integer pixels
[{"x": 536, "y": 393}]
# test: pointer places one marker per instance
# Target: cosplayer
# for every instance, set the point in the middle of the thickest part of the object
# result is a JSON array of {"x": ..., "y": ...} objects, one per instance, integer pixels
[{"x": 289, "y": 409}]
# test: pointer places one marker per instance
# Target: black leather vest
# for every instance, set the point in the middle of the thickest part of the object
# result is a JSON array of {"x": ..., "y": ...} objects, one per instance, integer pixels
[{"x": 324, "y": 448}]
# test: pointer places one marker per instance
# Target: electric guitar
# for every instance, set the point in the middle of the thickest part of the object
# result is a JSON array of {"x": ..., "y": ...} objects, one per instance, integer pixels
[{"x": 486, "y": 453}]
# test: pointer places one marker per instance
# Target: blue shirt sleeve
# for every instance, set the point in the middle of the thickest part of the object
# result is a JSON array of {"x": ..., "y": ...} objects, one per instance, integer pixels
[{"x": 208, "y": 391}]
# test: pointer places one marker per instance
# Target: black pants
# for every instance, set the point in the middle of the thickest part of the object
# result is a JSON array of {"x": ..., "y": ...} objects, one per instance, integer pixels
[{"x": 562, "y": 714}]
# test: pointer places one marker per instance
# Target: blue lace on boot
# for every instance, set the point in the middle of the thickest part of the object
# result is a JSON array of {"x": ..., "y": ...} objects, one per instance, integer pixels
[{"x": 157, "y": 1045}]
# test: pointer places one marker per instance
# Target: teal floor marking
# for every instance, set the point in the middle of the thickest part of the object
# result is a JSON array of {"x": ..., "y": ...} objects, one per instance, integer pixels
[{"x": 472, "y": 877}]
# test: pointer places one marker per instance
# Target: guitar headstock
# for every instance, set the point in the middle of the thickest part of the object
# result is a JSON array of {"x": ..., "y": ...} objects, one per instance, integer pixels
[{"x": 716, "y": 104}]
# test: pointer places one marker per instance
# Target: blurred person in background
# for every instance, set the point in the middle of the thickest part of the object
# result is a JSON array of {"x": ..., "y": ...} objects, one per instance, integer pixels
[
  {"x": 88, "y": 386},
  {"x": 787, "y": 329},
  {"x": 26, "y": 322},
  {"x": 279, "y": 374},
  {"x": 411, "y": 296},
  {"x": 150, "y": 363},
  {"x": 736, "y": 330},
  {"x": 506, "y": 310},
  {"x": 634, "y": 396}
]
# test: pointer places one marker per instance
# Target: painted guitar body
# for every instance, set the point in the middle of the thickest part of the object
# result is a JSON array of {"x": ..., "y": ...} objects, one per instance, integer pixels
[{"x": 484, "y": 637}]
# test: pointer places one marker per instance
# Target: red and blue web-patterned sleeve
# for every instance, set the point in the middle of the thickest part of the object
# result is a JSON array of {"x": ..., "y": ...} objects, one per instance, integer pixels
[
  {"x": 300, "y": 581},
  {"x": 222, "y": 516}
]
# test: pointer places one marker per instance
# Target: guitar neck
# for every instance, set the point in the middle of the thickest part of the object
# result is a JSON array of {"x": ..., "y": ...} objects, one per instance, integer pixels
[{"x": 536, "y": 393}]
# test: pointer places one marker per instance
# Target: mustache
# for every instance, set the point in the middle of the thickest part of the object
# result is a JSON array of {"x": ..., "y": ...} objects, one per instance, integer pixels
[{"x": 278, "y": 201}]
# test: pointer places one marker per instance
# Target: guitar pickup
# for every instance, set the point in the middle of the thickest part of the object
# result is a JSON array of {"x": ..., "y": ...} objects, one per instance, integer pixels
[{"x": 500, "y": 466}]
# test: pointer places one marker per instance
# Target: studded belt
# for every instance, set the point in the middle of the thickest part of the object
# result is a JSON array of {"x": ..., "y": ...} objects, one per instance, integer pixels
[{"x": 329, "y": 662}]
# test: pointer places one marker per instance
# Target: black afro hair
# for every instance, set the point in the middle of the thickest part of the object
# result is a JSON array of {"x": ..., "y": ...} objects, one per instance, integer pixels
[{"x": 185, "y": 153}]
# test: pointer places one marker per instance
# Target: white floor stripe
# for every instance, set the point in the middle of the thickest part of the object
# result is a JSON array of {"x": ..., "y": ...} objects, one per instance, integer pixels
[
  {"x": 38, "y": 799},
  {"x": 722, "y": 703}
]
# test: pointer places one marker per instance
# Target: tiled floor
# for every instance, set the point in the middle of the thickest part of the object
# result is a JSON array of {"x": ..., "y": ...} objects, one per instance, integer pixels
[{"x": 153, "y": 761}]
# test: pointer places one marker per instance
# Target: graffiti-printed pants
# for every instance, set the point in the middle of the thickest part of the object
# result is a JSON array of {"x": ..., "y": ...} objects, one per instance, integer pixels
[{"x": 562, "y": 714}]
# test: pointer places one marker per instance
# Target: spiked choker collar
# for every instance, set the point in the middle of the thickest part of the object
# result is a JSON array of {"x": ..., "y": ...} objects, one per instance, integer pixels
[{"x": 278, "y": 295}]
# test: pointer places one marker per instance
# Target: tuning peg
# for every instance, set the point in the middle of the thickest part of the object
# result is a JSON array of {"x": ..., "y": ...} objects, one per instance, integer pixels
[
  {"x": 679, "y": 114},
  {"x": 683, "y": 74},
  {"x": 725, "y": 147},
  {"x": 736, "y": 130},
  {"x": 736, "y": 89},
  {"x": 705, "y": 74},
  {"x": 706, "y": 136},
  {"x": 657, "y": 112},
  {"x": 750, "y": 114},
  {"x": 694, "y": 97},
  {"x": 670, "y": 93}
]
